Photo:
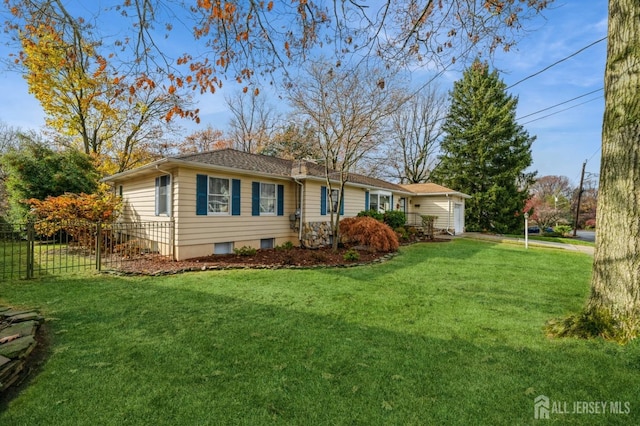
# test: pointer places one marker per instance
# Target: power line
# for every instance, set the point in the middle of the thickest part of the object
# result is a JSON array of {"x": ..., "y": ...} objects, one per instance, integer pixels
[
  {"x": 562, "y": 110},
  {"x": 561, "y": 103},
  {"x": 594, "y": 154},
  {"x": 557, "y": 62}
]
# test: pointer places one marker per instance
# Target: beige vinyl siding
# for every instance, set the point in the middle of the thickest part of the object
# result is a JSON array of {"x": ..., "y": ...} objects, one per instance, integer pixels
[
  {"x": 436, "y": 205},
  {"x": 196, "y": 235},
  {"x": 139, "y": 199},
  {"x": 311, "y": 202},
  {"x": 353, "y": 202}
]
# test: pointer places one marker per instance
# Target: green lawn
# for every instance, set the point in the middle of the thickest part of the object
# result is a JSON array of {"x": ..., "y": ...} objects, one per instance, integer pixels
[
  {"x": 563, "y": 240},
  {"x": 445, "y": 333}
]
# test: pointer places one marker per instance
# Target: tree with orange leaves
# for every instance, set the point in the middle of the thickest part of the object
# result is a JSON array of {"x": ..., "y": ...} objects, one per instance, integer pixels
[
  {"x": 205, "y": 140},
  {"x": 105, "y": 113}
]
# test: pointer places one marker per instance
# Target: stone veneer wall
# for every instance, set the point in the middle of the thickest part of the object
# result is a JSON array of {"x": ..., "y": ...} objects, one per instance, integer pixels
[{"x": 316, "y": 234}]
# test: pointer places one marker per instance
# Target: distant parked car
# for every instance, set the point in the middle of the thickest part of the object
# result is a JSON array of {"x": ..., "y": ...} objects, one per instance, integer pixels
[{"x": 536, "y": 229}]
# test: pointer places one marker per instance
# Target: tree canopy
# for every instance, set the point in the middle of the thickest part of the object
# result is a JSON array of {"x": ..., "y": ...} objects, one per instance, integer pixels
[
  {"x": 36, "y": 171},
  {"x": 242, "y": 40}
]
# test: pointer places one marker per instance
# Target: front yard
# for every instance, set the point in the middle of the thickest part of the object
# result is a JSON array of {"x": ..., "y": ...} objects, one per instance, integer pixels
[{"x": 440, "y": 334}]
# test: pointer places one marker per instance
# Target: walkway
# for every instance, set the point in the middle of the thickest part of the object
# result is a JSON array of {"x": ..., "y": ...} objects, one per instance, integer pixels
[{"x": 532, "y": 243}]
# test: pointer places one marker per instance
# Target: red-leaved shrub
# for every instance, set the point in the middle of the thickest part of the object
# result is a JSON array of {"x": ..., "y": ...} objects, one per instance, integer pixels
[{"x": 369, "y": 232}]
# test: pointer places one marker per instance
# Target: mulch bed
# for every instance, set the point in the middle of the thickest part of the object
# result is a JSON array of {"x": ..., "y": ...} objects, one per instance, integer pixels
[{"x": 295, "y": 257}]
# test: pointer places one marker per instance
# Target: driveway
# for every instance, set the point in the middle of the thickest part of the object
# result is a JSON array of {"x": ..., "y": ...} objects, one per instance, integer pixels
[{"x": 586, "y": 235}]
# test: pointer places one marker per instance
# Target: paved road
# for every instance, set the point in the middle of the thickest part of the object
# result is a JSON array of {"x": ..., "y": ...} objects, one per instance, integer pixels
[{"x": 586, "y": 235}]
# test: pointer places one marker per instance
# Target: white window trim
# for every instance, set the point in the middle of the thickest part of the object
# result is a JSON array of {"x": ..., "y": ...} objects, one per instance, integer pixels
[
  {"x": 378, "y": 194},
  {"x": 167, "y": 197}
]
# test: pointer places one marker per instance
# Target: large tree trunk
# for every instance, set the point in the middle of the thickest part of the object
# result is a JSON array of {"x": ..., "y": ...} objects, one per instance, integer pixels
[{"x": 613, "y": 309}]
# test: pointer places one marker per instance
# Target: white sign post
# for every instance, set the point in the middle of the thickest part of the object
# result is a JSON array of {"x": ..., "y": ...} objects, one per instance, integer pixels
[{"x": 526, "y": 230}]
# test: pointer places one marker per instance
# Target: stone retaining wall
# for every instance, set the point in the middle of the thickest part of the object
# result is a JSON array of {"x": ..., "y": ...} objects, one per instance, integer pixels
[{"x": 17, "y": 340}]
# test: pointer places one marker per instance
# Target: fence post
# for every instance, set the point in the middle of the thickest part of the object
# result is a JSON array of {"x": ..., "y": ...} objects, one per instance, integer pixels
[
  {"x": 30, "y": 249},
  {"x": 173, "y": 238},
  {"x": 98, "y": 245}
]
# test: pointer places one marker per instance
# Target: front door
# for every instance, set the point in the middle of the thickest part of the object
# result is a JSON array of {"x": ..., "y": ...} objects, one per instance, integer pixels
[{"x": 402, "y": 205}]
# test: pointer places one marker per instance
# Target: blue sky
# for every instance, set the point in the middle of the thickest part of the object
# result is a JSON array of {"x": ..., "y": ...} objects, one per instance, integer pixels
[{"x": 564, "y": 139}]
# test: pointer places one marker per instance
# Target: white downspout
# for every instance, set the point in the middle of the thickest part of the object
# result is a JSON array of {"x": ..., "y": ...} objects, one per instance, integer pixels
[
  {"x": 301, "y": 208},
  {"x": 449, "y": 216}
]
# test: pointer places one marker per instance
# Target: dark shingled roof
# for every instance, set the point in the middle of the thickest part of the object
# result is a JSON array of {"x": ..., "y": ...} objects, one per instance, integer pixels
[
  {"x": 241, "y": 160},
  {"x": 276, "y": 166}
]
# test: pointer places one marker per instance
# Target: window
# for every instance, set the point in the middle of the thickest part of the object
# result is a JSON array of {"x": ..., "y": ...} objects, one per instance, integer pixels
[
  {"x": 329, "y": 204},
  {"x": 380, "y": 201},
  {"x": 162, "y": 195},
  {"x": 373, "y": 202},
  {"x": 218, "y": 196},
  {"x": 385, "y": 202},
  {"x": 267, "y": 243},
  {"x": 332, "y": 201},
  {"x": 268, "y": 198},
  {"x": 223, "y": 248}
]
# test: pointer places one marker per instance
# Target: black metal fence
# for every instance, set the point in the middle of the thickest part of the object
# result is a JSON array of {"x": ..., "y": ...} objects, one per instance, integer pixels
[{"x": 32, "y": 249}]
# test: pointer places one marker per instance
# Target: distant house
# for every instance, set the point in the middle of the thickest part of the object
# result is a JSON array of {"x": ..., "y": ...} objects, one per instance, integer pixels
[{"x": 226, "y": 199}]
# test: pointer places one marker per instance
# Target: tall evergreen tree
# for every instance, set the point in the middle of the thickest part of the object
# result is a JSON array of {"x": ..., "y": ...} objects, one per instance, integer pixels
[{"x": 485, "y": 152}]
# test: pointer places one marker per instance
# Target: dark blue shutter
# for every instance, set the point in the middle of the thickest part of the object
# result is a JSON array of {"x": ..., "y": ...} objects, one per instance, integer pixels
[
  {"x": 201, "y": 194},
  {"x": 323, "y": 200},
  {"x": 366, "y": 201},
  {"x": 342, "y": 202},
  {"x": 392, "y": 207},
  {"x": 235, "y": 197},
  {"x": 280, "y": 200},
  {"x": 157, "y": 196},
  {"x": 255, "y": 198}
]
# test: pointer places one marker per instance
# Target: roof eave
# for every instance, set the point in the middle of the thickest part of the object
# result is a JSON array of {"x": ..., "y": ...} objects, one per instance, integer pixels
[
  {"x": 427, "y": 194},
  {"x": 143, "y": 170},
  {"x": 350, "y": 183}
]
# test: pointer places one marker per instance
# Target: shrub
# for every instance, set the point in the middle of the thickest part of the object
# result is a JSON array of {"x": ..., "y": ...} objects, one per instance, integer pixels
[
  {"x": 64, "y": 212},
  {"x": 285, "y": 246},
  {"x": 92, "y": 207},
  {"x": 590, "y": 224},
  {"x": 394, "y": 218},
  {"x": 245, "y": 251},
  {"x": 402, "y": 232},
  {"x": 371, "y": 213},
  {"x": 369, "y": 232},
  {"x": 351, "y": 255},
  {"x": 563, "y": 229}
]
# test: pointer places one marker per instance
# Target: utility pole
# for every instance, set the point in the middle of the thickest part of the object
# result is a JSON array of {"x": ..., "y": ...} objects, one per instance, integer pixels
[{"x": 575, "y": 224}]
